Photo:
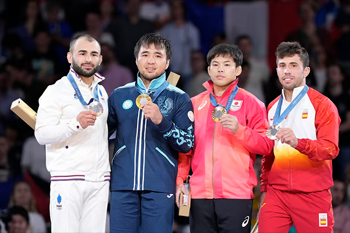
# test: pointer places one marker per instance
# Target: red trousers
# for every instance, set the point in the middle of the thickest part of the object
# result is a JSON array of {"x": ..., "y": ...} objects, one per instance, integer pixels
[{"x": 309, "y": 212}]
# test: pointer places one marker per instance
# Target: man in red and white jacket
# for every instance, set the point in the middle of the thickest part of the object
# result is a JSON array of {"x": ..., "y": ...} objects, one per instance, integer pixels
[
  {"x": 296, "y": 178},
  {"x": 224, "y": 149}
]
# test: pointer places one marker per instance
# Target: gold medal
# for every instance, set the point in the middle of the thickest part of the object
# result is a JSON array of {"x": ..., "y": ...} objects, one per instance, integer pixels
[
  {"x": 141, "y": 99},
  {"x": 96, "y": 107},
  {"x": 217, "y": 113},
  {"x": 272, "y": 131}
]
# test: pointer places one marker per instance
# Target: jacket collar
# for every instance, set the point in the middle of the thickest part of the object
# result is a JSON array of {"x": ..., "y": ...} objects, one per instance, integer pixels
[
  {"x": 97, "y": 78},
  {"x": 209, "y": 85},
  {"x": 155, "y": 83}
]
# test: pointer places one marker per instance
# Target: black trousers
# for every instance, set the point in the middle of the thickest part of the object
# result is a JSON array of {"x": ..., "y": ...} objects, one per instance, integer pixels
[{"x": 221, "y": 215}]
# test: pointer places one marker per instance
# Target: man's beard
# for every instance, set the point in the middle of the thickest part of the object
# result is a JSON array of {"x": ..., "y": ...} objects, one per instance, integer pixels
[{"x": 82, "y": 72}]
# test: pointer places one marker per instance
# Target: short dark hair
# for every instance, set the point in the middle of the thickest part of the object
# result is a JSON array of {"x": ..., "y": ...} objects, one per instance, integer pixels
[
  {"x": 289, "y": 49},
  {"x": 224, "y": 50},
  {"x": 86, "y": 36},
  {"x": 156, "y": 39},
  {"x": 18, "y": 210}
]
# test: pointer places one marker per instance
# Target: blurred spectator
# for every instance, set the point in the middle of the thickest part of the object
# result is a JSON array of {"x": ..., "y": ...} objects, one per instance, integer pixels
[
  {"x": 107, "y": 12},
  {"x": 44, "y": 61},
  {"x": 94, "y": 29},
  {"x": 126, "y": 32},
  {"x": 337, "y": 91},
  {"x": 244, "y": 76},
  {"x": 31, "y": 23},
  {"x": 199, "y": 73},
  {"x": 13, "y": 47},
  {"x": 220, "y": 39},
  {"x": 340, "y": 210},
  {"x": 7, "y": 178},
  {"x": 2, "y": 226},
  {"x": 33, "y": 159},
  {"x": 184, "y": 37},
  {"x": 24, "y": 82},
  {"x": 22, "y": 196},
  {"x": 59, "y": 29},
  {"x": 115, "y": 74},
  {"x": 157, "y": 11},
  {"x": 318, "y": 64},
  {"x": 258, "y": 70},
  {"x": 308, "y": 35},
  {"x": 7, "y": 95},
  {"x": 326, "y": 13},
  {"x": 18, "y": 220}
]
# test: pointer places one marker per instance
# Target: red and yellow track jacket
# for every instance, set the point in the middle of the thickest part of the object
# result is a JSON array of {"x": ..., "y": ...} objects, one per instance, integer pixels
[
  {"x": 308, "y": 167},
  {"x": 222, "y": 162}
]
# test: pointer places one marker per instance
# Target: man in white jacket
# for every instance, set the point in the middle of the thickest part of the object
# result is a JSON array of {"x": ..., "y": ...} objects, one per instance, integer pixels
[{"x": 72, "y": 123}]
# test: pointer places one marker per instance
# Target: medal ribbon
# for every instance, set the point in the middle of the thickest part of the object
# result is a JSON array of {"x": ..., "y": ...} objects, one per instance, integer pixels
[
  {"x": 77, "y": 91},
  {"x": 278, "y": 118},
  {"x": 157, "y": 93},
  {"x": 229, "y": 101}
]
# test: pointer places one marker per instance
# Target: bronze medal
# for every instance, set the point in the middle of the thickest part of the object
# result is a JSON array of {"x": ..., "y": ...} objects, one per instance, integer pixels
[
  {"x": 217, "y": 113},
  {"x": 141, "y": 99}
]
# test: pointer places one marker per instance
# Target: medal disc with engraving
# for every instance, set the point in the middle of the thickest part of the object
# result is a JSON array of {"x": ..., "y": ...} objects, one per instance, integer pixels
[
  {"x": 141, "y": 99},
  {"x": 217, "y": 113},
  {"x": 272, "y": 131},
  {"x": 96, "y": 107}
]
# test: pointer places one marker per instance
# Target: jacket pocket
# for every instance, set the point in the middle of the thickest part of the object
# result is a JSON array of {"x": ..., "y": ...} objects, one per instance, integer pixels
[
  {"x": 165, "y": 156},
  {"x": 118, "y": 152}
]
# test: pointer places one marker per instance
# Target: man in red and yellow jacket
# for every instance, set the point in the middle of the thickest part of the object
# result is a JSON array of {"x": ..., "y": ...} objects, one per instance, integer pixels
[
  {"x": 296, "y": 178},
  {"x": 230, "y": 129}
]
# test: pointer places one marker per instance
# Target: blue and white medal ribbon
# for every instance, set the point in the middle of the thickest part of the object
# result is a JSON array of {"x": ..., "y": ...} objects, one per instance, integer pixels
[
  {"x": 278, "y": 118},
  {"x": 219, "y": 109},
  {"x": 94, "y": 103}
]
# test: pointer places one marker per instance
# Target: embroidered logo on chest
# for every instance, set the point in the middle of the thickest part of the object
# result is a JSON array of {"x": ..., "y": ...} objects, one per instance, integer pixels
[
  {"x": 127, "y": 104},
  {"x": 202, "y": 105},
  {"x": 236, "y": 105},
  {"x": 165, "y": 105}
]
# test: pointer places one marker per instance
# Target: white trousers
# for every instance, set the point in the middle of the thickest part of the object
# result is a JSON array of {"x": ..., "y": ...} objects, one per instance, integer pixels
[{"x": 78, "y": 206}]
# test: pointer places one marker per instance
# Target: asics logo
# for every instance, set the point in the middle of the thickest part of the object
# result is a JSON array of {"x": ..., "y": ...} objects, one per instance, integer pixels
[
  {"x": 169, "y": 196},
  {"x": 245, "y": 222},
  {"x": 202, "y": 105}
]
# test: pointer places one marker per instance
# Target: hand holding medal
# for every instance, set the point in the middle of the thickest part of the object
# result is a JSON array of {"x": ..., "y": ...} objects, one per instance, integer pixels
[
  {"x": 230, "y": 122},
  {"x": 86, "y": 118}
]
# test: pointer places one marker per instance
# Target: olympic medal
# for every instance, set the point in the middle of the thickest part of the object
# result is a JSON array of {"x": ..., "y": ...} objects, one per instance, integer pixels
[
  {"x": 217, "y": 113},
  {"x": 141, "y": 99},
  {"x": 272, "y": 131},
  {"x": 96, "y": 107}
]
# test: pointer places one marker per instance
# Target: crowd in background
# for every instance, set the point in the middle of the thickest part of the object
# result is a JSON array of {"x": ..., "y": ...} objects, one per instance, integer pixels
[{"x": 34, "y": 40}]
